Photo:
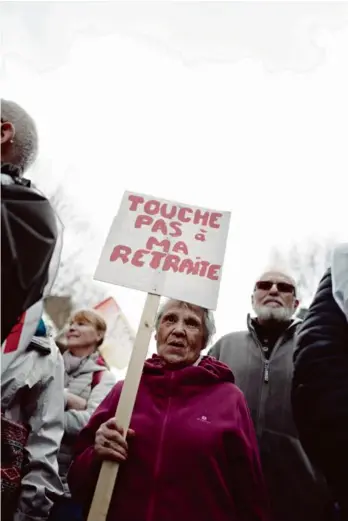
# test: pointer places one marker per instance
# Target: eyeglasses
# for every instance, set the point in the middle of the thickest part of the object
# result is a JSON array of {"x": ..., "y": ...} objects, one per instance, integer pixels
[{"x": 282, "y": 287}]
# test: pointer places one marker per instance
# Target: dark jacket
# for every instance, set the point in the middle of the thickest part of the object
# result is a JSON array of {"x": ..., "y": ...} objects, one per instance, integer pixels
[
  {"x": 194, "y": 456},
  {"x": 29, "y": 239},
  {"x": 296, "y": 492},
  {"x": 320, "y": 389}
]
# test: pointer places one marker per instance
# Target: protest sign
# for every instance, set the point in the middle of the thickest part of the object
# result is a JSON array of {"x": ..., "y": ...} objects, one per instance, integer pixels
[
  {"x": 118, "y": 343},
  {"x": 166, "y": 248},
  {"x": 163, "y": 248}
]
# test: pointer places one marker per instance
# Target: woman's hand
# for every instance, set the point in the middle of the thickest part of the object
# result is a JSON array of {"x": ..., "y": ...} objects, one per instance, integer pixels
[{"x": 110, "y": 443}]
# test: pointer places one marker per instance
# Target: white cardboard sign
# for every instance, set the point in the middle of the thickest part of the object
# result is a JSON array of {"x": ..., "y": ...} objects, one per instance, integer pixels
[{"x": 166, "y": 248}]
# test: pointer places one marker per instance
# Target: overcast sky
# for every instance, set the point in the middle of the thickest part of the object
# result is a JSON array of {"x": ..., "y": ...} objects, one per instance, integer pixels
[{"x": 231, "y": 106}]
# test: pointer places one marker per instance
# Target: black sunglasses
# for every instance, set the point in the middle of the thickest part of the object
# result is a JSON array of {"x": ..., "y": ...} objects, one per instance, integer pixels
[{"x": 282, "y": 287}]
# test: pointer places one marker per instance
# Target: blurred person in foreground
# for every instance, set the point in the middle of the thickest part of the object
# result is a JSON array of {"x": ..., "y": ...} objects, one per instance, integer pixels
[
  {"x": 32, "y": 426},
  {"x": 190, "y": 452},
  {"x": 32, "y": 403},
  {"x": 30, "y": 230},
  {"x": 87, "y": 381},
  {"x": 320, "y": 385},
  {"x": 262, "y": 361}
]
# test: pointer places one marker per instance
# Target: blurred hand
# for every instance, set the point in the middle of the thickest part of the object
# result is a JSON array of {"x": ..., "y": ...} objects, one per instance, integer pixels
[
  {"x": 75, "y": 402},
  {"x": 110, "y": 443}
]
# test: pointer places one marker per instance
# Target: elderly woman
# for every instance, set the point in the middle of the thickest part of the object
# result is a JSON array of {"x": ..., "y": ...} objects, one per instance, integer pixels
[
  {"x": 87, "y": 382},
  {"x": 191, "y": 453}
]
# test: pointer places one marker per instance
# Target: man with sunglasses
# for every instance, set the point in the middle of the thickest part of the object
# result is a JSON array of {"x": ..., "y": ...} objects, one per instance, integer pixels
[{"x": 261, "y": 359}]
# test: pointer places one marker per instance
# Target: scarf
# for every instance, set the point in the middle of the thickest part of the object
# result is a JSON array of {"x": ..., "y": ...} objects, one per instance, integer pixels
[{"x": 71, "y": 363}]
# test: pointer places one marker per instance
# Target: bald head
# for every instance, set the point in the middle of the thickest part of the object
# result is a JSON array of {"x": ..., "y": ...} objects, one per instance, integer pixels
[{"x": 19, "y": 139}]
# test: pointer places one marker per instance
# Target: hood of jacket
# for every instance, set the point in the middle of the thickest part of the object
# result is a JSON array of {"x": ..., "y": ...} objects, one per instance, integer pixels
[{"x": 209, "y": 371}]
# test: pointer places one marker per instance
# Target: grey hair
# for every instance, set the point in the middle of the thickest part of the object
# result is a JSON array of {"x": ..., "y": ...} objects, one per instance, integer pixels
[
  {"x": 25, "y": 141},
  {"x": 209, "y": 320}
]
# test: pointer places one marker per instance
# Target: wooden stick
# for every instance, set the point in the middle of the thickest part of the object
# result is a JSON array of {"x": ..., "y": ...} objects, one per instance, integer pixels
[{"x": 109, "y": 470}]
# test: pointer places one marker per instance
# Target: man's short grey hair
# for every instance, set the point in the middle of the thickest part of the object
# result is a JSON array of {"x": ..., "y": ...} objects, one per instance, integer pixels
[
  {"x": 209, "y": 320},
  {"x": 25, "y": 141}
]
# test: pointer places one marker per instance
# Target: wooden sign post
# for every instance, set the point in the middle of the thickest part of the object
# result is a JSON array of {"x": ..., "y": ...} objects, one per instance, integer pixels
[{"x": 163, "y": 248}]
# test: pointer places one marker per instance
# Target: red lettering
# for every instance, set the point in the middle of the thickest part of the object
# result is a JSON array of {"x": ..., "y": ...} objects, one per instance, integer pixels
[
  {"x": 180, "y": 247},
  {"x": 135, "y": 200},
  {"x": 213, "y": 218},
  {"x": 171, "y": 262},
  {"x": 168, "y": 214},
  {"x": 200, "y": 216},
  {"x": 152, "y": 241},
  {"x": 196, "y": 267},
  {"x": 152, "y": 207},
  {"x": 182, "y": 215},
  {"x": 187, "y": 265},
  {"x": 143, "y": 220},
  {"x": 160, "y": 226},
  {"x": 177, "y": 229},
  {"x": 204, "y": 266},
  {"x": 120, "y": 252},
  {"x": 213, "y": 272},
  {"x": 157, "y": 256},
  {"x": 137, "y": 258}
]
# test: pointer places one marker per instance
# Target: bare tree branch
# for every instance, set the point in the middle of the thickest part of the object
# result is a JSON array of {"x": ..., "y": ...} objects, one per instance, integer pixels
[{"x": 307, "y": 261}]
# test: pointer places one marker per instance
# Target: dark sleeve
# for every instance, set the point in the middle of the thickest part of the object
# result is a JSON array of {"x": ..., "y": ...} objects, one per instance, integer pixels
[
  {"x": 28, "y": 224},
  {"x": 320, "y": 387},
  {"x": 84, "y": 470}
]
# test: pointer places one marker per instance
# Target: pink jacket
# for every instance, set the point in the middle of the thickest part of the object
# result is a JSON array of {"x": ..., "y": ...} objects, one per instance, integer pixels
[{"x": 194, "y": 456}]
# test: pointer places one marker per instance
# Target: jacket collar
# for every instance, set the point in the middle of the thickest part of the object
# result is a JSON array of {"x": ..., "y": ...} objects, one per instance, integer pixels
[
  {"x": 13, "y": 174},
  {"x": 288, "y": 333}
]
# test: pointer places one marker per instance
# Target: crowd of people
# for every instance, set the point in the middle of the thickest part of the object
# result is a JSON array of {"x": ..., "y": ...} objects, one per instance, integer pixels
[{"x": 254, "y": 430}]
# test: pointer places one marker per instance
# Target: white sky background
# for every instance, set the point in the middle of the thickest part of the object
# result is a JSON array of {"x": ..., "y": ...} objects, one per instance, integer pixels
[{"x": 230, "y": 106}]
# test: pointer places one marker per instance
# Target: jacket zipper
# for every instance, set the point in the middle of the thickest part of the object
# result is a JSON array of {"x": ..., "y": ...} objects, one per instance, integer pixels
[
  {"x": 266, "y": 371},
  {"x": 265, "y": 376},
  {"x": 151, "y": 507}
]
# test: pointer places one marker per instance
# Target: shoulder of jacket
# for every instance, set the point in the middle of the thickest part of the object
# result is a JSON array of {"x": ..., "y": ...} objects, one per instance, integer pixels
[
  {"x": 44, "y": 345},
  {"x": 236, "y": 335},
  {"x": 47, "y": 348},
  {"x": 108, "y": 376},
  {"x": 226, "y": 341}
]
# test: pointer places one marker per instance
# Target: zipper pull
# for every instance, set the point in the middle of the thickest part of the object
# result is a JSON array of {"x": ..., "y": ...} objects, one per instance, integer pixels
[{"x": 266, "y": 374}]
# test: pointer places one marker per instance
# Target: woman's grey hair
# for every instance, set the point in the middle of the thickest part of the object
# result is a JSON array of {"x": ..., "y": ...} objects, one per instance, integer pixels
[
  {"x": 25, "y": 141},
  {"x": 209, "y": 321}
]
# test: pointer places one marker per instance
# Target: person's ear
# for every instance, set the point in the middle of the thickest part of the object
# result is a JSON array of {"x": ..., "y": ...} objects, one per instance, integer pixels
[
  {"x": 296, "y": 303},
  {"x": 7, "y": 132}
]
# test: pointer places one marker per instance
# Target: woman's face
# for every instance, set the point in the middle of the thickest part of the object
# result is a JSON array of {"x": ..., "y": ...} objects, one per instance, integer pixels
[
  {"x": 180, "y": 335},
  {"x": 82, "y": 335}
]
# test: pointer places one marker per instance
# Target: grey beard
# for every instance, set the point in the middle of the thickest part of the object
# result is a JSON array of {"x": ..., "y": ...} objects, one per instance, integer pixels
[{"x": 277, "y": 314}]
